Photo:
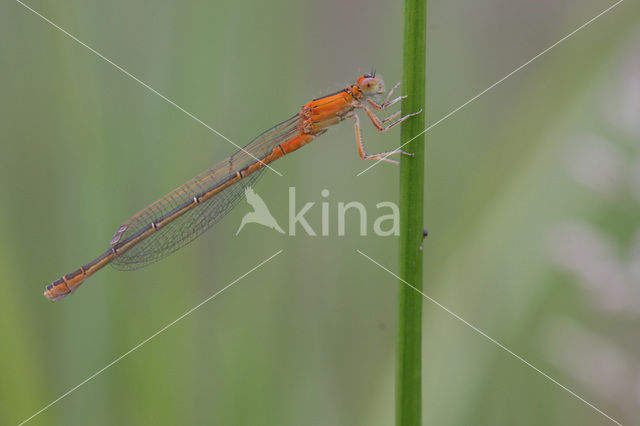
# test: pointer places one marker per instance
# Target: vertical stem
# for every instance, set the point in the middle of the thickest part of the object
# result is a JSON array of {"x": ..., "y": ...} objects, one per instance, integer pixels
[{"x": 409, "y": 368}]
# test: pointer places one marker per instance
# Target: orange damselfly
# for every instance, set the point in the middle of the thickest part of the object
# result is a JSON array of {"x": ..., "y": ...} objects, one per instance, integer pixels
[{"x": 182, "y": 215}]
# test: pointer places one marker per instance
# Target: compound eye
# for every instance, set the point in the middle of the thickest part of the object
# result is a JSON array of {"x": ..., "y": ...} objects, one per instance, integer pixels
[{"x": 368, "y": 85}]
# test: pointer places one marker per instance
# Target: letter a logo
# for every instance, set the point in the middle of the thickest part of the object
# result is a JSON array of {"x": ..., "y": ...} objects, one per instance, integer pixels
[{"x": 260, "y": 214}]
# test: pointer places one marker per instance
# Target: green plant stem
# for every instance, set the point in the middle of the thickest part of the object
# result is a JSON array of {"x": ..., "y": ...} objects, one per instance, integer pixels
[{"x": 409, "y": 359}]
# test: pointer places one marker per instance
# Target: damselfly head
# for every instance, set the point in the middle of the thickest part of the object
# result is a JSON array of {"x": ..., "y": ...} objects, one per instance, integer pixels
[{"x": 370, "y": 85}]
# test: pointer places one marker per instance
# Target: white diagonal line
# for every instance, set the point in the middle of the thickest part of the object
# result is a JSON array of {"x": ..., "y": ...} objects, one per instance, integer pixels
[
  {"x": 497, "y": 83},
  {"x": 128, "y": 74},
  {"x": 500, "y": 345},
  {"x": 150, "y": 337}
]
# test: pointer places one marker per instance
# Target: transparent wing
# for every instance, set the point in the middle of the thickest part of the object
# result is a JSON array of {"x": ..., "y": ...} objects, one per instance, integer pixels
[{"x": 194, "y": 222}]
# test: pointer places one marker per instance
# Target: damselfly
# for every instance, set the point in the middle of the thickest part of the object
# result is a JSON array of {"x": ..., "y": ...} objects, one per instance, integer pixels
[{"x": 182, "y": 215}]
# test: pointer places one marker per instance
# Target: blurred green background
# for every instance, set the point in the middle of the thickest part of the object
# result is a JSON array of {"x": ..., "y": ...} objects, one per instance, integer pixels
[{"x": 532, "y": 203}]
